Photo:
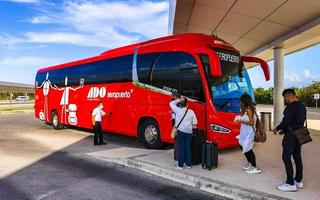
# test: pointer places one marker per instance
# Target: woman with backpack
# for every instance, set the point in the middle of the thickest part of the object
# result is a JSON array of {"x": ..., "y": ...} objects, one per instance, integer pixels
[{"x": 247, "y": 119}]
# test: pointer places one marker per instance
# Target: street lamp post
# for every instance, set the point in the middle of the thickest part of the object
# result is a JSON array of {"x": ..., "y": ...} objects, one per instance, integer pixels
[{"x": 316, "y": 97}]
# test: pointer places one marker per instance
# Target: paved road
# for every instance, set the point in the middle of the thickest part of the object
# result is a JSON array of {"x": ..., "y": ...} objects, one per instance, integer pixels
[
  {"x": 39, "y": 163},
  {"x": 20, "y": 106},
  {"x": 5, "y": 102}
]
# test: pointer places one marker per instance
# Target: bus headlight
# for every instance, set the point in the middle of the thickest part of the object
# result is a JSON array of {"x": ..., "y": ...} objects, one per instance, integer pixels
[{"x": 219, "y": 129}]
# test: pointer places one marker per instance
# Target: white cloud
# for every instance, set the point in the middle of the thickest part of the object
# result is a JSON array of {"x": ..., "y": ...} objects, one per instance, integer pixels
[
  {"x": 306, "y": 73},
  {"x": 79, "y": 39},
  {"x": 146, "y": 18},
  {"x": 24, "y": 1},
  {"x": 40, "y": 20},
  {"x": 29, "y": 61},
  {"x": 293, "y": 77},
  {"x": 10, "y": 40},
  {"x": 23, "y": 69},
  {"x": 57, "y": 37},
  {"x": 98, "y": 24}
]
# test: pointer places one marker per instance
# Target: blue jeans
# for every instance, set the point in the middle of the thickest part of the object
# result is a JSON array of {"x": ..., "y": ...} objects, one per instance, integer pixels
[{"x": 184, "y": 148}]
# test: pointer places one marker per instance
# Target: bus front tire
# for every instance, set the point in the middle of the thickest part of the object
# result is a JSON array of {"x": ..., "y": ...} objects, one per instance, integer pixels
[
  {"x": 150, "y": 134},
  {"x": 56, "y": 121}
]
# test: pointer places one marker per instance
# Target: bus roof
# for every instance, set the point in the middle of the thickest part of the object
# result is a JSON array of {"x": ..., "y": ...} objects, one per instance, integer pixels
[{"x": 129, "y": 49}]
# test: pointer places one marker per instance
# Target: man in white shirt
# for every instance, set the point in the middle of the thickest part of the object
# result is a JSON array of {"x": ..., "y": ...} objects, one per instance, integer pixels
[
  {"x": 97, "y": 115},
  {"x": 185, "y": 120}
]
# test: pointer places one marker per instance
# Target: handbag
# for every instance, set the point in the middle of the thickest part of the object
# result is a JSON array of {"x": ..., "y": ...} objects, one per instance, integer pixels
[
  {"x": 174, "y": 129},
  {"x": 302, "y": 134},
  {"x": 259, "y": 134}
]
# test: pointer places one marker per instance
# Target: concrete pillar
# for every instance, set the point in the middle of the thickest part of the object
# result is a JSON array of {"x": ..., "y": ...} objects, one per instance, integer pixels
[{"x": 278, "y": 103}]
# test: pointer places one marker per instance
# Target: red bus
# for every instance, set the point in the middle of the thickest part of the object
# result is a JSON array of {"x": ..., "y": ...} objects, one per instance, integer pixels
[{"x": 135, "y": 83}]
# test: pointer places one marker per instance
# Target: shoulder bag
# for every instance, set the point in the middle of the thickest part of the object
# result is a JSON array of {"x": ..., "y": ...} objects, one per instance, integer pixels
[
  {"x": 302, "y": 134},
  {"x": 174, "y": 129}
]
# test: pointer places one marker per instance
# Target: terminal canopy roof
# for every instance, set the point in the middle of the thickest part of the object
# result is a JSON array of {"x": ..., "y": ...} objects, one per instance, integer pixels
[{"x": 254, "y": 27}]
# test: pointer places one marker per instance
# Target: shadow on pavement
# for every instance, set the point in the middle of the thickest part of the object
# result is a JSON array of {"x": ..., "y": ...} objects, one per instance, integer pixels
[{"x": 71, "y": 174}]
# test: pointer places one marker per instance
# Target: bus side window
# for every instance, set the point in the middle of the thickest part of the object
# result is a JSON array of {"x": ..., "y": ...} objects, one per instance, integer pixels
[
  {"x": 40, "y": 77},
  {"x": 190, "y": 78},
  {"x": 178, "y": 71},
  {"x": 114, "y": 70},
  {"x": 144, "y": 64},
  {"x": 57, "y": 77},
  {"x": 165, "y": 74}
]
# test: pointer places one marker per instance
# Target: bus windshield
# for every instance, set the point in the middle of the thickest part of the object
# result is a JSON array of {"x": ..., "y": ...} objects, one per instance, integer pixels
[{"x": 227, "y": 89}]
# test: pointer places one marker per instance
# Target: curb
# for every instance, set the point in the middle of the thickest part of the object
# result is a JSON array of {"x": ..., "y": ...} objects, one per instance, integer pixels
[{"x": 202, "y": 183}]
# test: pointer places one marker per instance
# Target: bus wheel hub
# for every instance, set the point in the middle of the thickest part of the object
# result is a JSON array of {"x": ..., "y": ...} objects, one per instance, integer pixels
[
  {"x": 151, "y": 134},
  {"x": 55, "y": 120}
]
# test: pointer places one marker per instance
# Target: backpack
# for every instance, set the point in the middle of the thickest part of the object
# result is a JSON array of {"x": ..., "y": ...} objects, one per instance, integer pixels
[{"x": 260, "y": 135}]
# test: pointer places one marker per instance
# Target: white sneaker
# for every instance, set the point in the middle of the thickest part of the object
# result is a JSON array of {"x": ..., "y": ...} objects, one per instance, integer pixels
[
  {"x": 253, "y": 170},
  {"x": 179, "y": 168},
  {"x": 247, "y": 166},
  {"x": 189, "y": 167},
  {"x": 287, "y": 188},
  {"x": 298, "y": 184}
]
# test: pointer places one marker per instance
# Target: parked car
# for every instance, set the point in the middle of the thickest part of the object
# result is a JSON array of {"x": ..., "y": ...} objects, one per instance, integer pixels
[{"x": 22, "y": 98}]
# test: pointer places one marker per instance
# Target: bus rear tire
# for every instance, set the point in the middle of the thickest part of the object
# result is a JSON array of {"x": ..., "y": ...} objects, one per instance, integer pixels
[
  {"x": 56, "y": 121},
  {"x": 150, "y": 134}
]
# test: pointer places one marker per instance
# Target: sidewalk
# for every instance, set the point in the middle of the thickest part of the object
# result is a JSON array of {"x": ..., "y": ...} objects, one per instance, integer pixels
[{"x": 229, "y": 180}]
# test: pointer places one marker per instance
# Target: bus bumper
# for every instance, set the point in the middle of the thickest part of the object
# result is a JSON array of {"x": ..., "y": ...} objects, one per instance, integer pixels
[{"x": 224, "y": 140}]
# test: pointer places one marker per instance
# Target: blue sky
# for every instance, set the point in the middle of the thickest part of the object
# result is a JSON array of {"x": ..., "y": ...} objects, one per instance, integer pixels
[
  {"x": 300, "y": 69},
  {"x": 40, "y": 33}
]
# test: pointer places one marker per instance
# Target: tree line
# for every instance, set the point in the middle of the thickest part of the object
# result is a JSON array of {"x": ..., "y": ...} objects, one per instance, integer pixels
[
  {"x": 305, "y": 94},
  {"x": 6, "y": 95}
]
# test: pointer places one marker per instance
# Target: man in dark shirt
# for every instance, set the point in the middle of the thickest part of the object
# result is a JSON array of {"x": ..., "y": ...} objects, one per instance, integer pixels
[{"x": 294, "y": 117}]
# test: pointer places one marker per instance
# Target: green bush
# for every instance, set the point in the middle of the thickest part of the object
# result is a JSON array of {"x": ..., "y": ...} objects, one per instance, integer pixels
[
  {"x": 305, "y": 94},
  {"x": 263, "y": 96}
]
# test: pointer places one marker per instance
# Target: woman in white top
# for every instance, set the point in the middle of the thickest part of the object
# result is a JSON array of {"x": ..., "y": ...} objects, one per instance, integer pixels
[
  {"x": 246, "y": 138},
  {"x": 188, "y": 121}
]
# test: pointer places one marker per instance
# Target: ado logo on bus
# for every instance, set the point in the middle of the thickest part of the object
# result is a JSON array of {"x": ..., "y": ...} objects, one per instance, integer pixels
[{"x": 96, "y": 92}]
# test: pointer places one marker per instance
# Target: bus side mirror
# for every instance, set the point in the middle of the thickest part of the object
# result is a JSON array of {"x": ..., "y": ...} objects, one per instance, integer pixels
[
  {"x": 264, "y": 65},
  {"x": 214, "y": 60}
]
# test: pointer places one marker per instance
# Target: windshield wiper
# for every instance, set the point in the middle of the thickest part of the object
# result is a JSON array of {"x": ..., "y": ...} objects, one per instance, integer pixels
[{"x": 225, "y": 103}]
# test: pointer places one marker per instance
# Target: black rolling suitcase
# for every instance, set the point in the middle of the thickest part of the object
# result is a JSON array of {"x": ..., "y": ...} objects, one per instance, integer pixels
[
  {"x": 196, "y": 145},
  {"x": 209, "y": 155}
]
